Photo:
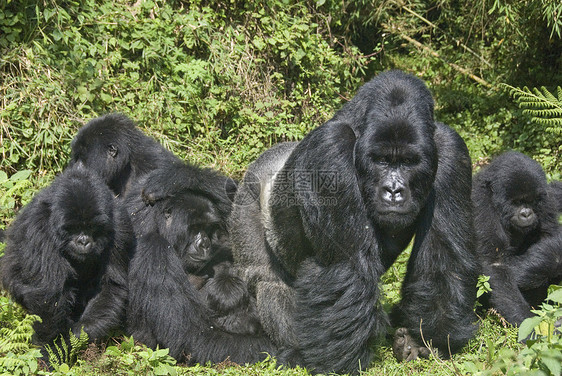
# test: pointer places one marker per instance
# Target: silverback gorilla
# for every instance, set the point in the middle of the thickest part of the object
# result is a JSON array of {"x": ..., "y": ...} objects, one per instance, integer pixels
[
  {"x": 67, "y": 255},
  {"x": 316, "y": 223},
  {"x": 519, "y": 240}
]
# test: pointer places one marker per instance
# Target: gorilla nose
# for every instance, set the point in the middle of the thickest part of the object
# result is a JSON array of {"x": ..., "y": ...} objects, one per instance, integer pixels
[
  {"x": 526, "y": 213},
  {"x": 83, "y": 241},
  {"x": 393, "y": 193}
]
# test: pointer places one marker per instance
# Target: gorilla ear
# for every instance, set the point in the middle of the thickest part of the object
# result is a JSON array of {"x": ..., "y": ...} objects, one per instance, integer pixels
[
  {"x": 112, "y": 150},
  {"x": 348, "y": 137},
  {"x": 347, "y": 134}
]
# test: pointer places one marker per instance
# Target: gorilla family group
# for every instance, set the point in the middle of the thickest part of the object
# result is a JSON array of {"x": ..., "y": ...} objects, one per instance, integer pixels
[{"x": 287, "y": 262}]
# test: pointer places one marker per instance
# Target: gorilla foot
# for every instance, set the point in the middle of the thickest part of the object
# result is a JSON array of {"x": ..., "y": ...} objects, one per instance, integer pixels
[{"x": 405, "y": 348}]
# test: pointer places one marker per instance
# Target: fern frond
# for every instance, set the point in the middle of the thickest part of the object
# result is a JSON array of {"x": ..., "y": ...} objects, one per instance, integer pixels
[
  {"x": 57, "y": 355},
  {"x": 66, "y": 353},
  {"x": 11, "y": 362},
  {"x": 543, "y": 106},
  {"x": 78, "y": 344},
  {"x": 17, "y": 338}
]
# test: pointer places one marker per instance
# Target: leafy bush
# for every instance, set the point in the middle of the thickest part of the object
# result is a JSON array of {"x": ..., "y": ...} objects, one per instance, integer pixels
[
  {"x": 139, "y": 360},
  {"x": 17, "y": 355},
  {"x": 542, "y": 354},
  {"x": 223, "y": 83}
]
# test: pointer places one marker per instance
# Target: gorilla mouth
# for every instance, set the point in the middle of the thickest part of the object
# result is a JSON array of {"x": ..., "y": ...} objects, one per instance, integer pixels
[
  {"x": 81, "y": 250},
  {"x": 395, "y": 210},
  {"x": 197, "y": 258}
]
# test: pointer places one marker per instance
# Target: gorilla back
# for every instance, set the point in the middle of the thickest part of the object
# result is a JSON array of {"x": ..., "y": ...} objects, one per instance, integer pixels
[{"x": 331, "y": 213}]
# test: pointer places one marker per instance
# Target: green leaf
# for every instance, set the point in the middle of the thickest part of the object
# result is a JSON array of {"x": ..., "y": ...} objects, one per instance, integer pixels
[
  {"x": 527, "y": 327},
  {"x": 552, "y": 364},
  {"x": 555, "y": 296},
  {"x": 48, "y": 13}
]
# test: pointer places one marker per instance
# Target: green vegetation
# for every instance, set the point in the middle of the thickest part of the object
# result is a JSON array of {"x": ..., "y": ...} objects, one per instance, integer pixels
[{"x": 218, "y": 82}]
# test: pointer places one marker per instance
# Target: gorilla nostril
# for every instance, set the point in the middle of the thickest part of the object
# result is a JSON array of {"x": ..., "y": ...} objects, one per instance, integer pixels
[
  {"x": 393, "y": 193},
  {"x": 83, "y": 240},
  {"x": 525, "y": 213}
]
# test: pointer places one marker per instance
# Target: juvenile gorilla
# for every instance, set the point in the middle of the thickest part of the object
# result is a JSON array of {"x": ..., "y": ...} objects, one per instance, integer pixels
[
  {"x": 164, "y": 307},
  {"x": 519, "y": 240},
  {"x": 316, "y": 223},
  {"x": 192, "y": 224},
  {"x": 66, "y": 258},
  {"x": 181, "y": 239},
  {"x": 117, "y": 150}
]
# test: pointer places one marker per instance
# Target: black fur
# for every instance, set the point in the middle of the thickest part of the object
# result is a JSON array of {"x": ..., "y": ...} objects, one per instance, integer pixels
[
  {"x": 67, "y": 255},
  {"x": 555, "y": 191},
  {"x": 316, "y": 224},
  {"x": 182, "y": 236},
  {"x": 232, "y": 306},
  {"x": 519, "y": 238},
  {"x": 165, "y": 197},
  {"x": 117, "y": 150}
]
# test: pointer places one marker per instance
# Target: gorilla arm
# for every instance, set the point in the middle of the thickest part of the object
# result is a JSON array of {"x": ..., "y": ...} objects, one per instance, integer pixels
[
  {"x": 32, "y": 255},
  {"x": 97, "y": 320},
  {"x": 439, "y": 291},
  {"x": 338, "y": 259},
  {"x": 541, "y": 264},
  {"x": 165, "y": 310}
]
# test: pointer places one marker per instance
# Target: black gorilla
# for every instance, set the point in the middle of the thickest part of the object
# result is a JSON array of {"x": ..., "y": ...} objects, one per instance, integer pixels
[
  {"x": 121, "y": 153},
  {"x": 555, "y": 190},
  {"x": 519, "y": 240},
  {"x": 178, "y": 213},
  {"x": 116, "y": 149},
  {"x": 181, "y": 237},
  {"x": 67, "y": 255},
  {"x": 316, "y": 223},
  {"x": 194, "y": 225}
]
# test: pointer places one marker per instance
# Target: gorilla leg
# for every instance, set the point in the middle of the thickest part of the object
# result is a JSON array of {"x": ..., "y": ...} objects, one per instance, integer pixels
[{"x": 165, "y": 310}]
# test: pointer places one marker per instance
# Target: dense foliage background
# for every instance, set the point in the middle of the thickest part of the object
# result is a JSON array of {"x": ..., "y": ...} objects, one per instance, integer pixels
[{"x": 218, "y": 82}]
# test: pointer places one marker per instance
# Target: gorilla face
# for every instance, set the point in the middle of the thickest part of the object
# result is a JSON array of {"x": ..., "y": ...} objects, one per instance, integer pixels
[
  {"x": 522, "y": 201},
  {"x": 104, "y": 145},
  {"x": 396, "y": 168},
  {"x": 193, "y": 227},
  {"x": 82, "y": 218}
]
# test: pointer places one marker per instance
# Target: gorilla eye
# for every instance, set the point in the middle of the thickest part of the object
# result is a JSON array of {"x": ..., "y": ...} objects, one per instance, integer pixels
[
  {"x": 381, "y": 159},
  {"x": 112, "y": 150},
  {"x": 410, "y": 161}
]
